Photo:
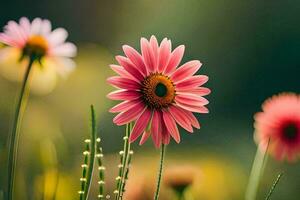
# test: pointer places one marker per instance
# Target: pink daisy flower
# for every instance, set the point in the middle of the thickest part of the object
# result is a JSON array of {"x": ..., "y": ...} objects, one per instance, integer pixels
[
  {"x": 36, "y": 40},
  {"x": 279, "y": 123},
  {"x": 156, "y": 93}
]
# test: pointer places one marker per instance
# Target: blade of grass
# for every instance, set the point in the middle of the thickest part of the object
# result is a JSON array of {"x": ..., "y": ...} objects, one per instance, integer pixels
[{"x": 256, "y": 173}]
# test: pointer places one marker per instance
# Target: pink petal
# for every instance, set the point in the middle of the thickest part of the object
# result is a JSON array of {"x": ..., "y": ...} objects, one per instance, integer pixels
[
  {"x": 57, "y": 37},
  {"x": 186, "y": 70},
  {"x": 165, "y": 135},
  {"x": 140, "y": 125},
  {"x": 180, "y": 118},
  {"x": 124, "y": 95},
  {"x": 120, "y": 71},
  {"x": 36, "y": 26},
  {"x": 291, "y": 155},
  {"x": 14, "y": 30},
  {"x": 278, "y": 152},
  {"x": 135, "y": 58},
  {"x": 192, "y": 82},
  {"x": 175, "y": 59},
  {"x": 191, "y": 99},
  {"x": 155, "y": 129},
  {"x": 164, "y": 54},
  {"x": 8, "y": 40},
  {"x": 202, "y": 91},
  {"x": 154, "y": 45},
  {"x": 129, "y": 115},
  {"x": 64, "y": 66},
  {"x": 67, "y": 50},
  {"x": 145, "y": 136},
  {"x": 124, "y": 83},
  {"x": 171, "y": 125},
  {"x": 130, "y": 68},
  {"x": 193, "y": 108},
  {"x": 45, "y": 27},
  {"x": 148, "y": 55},
  {"x": 25, "y": 25},
  {"x": 191, "y": 117},
  {"x": 124, "y": 106}
]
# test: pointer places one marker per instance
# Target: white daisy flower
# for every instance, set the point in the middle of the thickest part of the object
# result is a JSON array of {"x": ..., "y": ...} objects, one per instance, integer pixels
[{"x": 36, "y": 40}]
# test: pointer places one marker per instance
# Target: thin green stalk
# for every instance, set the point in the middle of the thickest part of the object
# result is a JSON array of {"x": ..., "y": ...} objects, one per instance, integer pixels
[
  {"x": 84, "y": 166},
  {"x": 124, "y": 163},
  {"x": 256, "y": 173},
  {"x": 162, "y": 156},
  {"x": 274, "y": 186},
  {"x": 127, "y": 161},
  {"x": 92, "y": 153},
  {"x": 89, "y": 158},
  {"x": 127, "y": 171},
  {"x": 101, "y": 170},
  {"x": 14, "y": 137}
]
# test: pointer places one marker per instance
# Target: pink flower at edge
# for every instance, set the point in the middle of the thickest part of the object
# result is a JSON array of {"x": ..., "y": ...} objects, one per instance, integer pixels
[
  {"x": 49, "y": 48},
  {"x": 279, "y": 123},
  {"x": 156, "y": 93}
]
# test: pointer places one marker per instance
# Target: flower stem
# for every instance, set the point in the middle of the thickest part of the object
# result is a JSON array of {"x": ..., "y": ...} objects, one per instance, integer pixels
[
  {"x": 162, "y": 156},
  {"x": 256, "y": 173},
  {"x": 14, "y": 137},
  {"x": 180, "y": 196}
]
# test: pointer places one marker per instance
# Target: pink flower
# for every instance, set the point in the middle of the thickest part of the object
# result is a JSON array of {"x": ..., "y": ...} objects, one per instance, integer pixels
[
  {"x": 36, "y": 40},
  {"x": 279, "y": 123},
  {"x": 156, "y": 93}
]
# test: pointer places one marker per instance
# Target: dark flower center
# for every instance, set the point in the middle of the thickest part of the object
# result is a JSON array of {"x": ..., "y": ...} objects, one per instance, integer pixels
[
  {"x": 158, "y": 91},
  {"x": 161, "y": 90},
  {"x": 290, "y": 132},
  {"x": 36, "y": 47}
]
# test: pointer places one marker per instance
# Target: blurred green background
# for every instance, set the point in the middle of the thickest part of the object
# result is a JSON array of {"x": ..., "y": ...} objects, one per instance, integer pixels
[{"x": 250, "y": 51}]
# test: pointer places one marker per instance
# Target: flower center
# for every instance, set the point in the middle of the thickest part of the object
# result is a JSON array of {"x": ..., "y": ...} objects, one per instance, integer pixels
[
  {"x": 158, "y": 91},
  {"x": 290, "y": 132},
  {"x": 36, "y": 47},
  {"x": 161, "y": 90}
]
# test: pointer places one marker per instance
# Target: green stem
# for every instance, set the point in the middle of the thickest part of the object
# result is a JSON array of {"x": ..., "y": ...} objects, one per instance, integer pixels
[
  {"x": 274, "y": 186},
  {"x": 101, "y": 169},
  {"x": 14, "y": 137},
  {"x": 162, "y": 156},
  {"x": 256, "y": 173},
  {"x": 180, "y": 196},
  {"x": 126, "y": 151},
  {"x": 92, "y": 153}
]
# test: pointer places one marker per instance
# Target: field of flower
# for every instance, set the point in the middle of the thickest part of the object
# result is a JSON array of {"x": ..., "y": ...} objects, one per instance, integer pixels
[{"x": 191, "y": 100}]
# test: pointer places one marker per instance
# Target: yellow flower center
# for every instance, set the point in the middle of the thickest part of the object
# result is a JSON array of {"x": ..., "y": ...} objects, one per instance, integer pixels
[
  {"x": 158, "y": 91},
  {"x": 36, "y": 47}
]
